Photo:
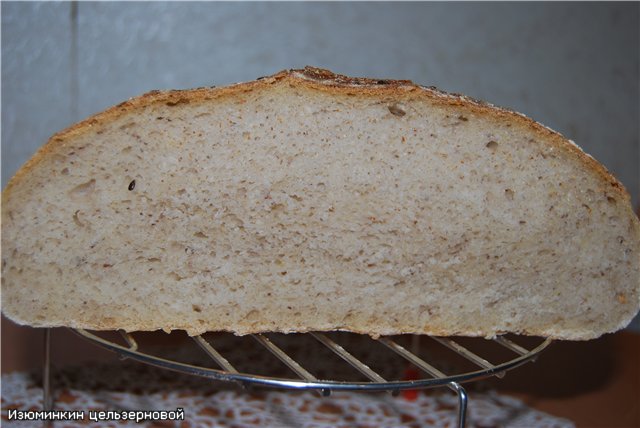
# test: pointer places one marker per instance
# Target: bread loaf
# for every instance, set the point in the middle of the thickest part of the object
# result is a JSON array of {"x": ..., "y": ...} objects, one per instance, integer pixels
[{"x": 313, "y": 201}]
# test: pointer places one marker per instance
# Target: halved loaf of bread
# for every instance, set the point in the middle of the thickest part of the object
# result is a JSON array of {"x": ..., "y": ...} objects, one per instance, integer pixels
[{"x": 313, "y": 201}]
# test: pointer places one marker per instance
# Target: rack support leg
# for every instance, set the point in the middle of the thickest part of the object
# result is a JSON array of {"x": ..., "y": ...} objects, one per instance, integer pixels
[
  {"x": 47, "y": 402},
  {"x": 462, "y": 404}
]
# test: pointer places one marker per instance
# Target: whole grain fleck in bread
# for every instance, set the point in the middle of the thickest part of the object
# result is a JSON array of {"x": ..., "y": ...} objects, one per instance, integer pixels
[{"x": 313, "y": 201}]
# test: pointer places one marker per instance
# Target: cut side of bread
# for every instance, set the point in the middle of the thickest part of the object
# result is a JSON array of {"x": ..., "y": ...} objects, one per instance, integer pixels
[{"x": 313, "y": 201}]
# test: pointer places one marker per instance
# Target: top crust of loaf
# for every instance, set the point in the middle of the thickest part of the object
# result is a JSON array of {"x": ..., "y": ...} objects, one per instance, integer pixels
[{"x": 323, "y": 80}]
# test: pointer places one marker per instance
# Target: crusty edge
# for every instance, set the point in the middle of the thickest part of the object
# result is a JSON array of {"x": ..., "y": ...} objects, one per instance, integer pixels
[
  {"x": 325, "y": 80},
  {"x": 547, "y": 332}
]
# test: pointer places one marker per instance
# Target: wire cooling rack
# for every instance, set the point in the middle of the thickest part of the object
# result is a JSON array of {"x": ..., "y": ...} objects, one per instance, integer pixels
[{"x": 517, "y": 355}]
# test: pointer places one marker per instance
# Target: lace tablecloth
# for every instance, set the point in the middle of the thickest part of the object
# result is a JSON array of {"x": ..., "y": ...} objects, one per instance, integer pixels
[{"x": 211, "y": 404}]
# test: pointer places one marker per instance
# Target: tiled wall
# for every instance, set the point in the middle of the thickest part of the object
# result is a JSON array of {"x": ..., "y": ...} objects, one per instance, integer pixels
[{"x": 572, "y": 66}]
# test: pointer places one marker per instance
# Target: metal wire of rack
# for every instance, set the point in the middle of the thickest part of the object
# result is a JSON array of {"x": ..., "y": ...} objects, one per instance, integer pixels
[{"x": 307, "y": 381}]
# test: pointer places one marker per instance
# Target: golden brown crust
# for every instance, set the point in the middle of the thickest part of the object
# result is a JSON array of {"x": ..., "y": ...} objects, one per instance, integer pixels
[{"x": 325, "y": 80}]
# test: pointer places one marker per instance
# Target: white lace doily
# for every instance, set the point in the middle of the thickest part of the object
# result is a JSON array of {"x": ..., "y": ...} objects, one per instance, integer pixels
[{"x": 132, "y": 386}]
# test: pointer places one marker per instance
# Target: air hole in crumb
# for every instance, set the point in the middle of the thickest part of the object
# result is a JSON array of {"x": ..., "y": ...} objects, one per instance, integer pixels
[
  {"x": 492, "y": 144},
  {"x": 127, "y": 125},
  {"x": 196, "y": 308},
  {"x": 397, "y": 110},
  {"x": 463, "y": 118},
  {"x": 83, "y": 190},
  {"x": 65, "y": 171},
  {"x": 200, "y": 235},
  {"x": 611, "y": 200},
  {"x": 509, "y": 194},
  {"x": 76, "y": 219}
]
